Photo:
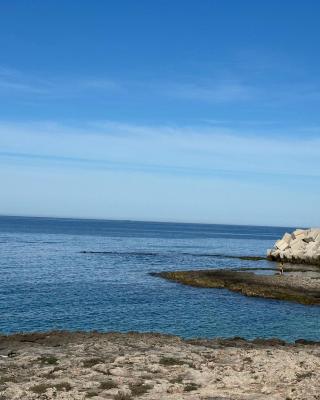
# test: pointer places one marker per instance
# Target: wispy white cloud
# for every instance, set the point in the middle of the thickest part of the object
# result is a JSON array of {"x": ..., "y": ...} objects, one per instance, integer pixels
[
  {"x": 185, "y": 149},
  {"x": 102, "y": 84},
  {"x": 219, "y": 92},
  {"x": 222, "y": 91},
  {"x": 14, "y": 83},
  {"x": 109, "y": 169}
]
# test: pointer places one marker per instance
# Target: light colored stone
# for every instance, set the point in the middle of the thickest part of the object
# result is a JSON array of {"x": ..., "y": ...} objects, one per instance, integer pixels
[
  {"x": 119, "y": 371},
  {"x": 244, "y": 371},
  {"x": 282, "y": 245},
  {"x": 301, "y": 245},
  {"x": 314, "y": 233},
  {"x": 312, "y": 246},
  {"x": 175, "y": 388},
  {"x": 309, "y": 236},
  {"x": 287, "y": 254},
  {"x": 299, "y": 254},
  {"x": 287, "y": 238},
  {"x": 297, "y": 244},
  {"x": 300, "y": 233}
]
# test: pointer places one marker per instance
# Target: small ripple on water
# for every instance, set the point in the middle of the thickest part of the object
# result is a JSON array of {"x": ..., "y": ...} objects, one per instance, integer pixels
[{"x": 51, "y": 283}]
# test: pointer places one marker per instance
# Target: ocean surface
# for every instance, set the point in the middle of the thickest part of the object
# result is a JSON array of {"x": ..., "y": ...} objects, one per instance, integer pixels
[{"x": 47, "y": 282}]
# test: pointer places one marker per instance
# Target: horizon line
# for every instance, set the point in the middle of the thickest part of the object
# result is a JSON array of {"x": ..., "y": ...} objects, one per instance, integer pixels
[{"x": 144, "y": 221}]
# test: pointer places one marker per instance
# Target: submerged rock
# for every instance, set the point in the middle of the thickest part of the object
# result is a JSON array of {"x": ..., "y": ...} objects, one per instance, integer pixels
[{"x": 301, "y": 246}]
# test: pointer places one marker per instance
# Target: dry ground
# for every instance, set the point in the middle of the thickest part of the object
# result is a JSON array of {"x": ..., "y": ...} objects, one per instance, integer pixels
[{"x": 60, "y": 365}]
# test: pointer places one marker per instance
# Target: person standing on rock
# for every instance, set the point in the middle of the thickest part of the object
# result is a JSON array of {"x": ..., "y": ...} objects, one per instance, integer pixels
[{"x": 281, "y": 268}]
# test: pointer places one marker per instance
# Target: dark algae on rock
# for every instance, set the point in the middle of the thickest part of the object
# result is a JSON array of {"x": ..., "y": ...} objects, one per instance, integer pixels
[{"x": 297, "y": 286}]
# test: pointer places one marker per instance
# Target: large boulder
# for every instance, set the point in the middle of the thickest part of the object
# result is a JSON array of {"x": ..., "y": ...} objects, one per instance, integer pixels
[
  {"x": 282, "y": 245},
  {"x": 301, "y": 246},
  {"x": 300, "y": 234}
]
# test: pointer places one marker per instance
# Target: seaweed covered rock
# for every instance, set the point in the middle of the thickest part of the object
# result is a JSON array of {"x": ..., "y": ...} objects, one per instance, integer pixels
[{"x": 301, "y": 246}]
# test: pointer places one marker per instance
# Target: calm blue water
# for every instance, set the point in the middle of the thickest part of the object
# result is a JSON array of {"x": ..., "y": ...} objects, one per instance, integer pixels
[{"x": 47, "y": 283}]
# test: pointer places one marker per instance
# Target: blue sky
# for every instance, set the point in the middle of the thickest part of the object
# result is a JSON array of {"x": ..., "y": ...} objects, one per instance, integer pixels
[{"x": 196, "y": 111}]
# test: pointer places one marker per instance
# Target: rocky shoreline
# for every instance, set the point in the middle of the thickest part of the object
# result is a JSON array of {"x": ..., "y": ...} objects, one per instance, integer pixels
[
  {"x": 291, "y": 280},
  {"x": 296, "y": 284},
  {"x": 64, "y": 365}
]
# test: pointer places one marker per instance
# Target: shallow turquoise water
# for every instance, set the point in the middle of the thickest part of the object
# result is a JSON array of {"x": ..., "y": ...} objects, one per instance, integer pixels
[{"x": 46, "y": 282}]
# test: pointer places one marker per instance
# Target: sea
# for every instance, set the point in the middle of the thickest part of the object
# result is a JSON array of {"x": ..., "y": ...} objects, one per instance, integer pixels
[{"x": 76, "y": 274}]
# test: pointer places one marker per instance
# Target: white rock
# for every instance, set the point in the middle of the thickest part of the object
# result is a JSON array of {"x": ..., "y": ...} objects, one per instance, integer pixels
[
  {"x": 302, "y": 244},
  {"x": 303, "y": 247},
  {"x": 287, "y": 238},
  {"x": 119, "y": 371},
  {"x": 282, "y": 245},
  {"x": 314, "y": 233},
  {"x": 297, "y": 232},
  {"x": 297, "y": 244},
  {"x": 312, "y": 246},
  {"x": 299, "y": 254},
  {"x": 300, "y": 233},
  {"x": 287, "y": 254}
]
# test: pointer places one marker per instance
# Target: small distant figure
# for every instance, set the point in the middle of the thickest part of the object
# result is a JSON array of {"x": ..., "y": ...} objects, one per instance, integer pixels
[{"x": 281, "y": 268}]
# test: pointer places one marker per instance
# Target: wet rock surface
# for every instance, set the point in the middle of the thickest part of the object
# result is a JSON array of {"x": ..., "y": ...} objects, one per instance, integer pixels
[
  {"x": 62, "y": 365},
  {"x": 296, "y": 284}
]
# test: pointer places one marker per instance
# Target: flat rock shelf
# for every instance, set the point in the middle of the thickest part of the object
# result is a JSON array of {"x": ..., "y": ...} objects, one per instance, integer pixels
[
  {"x": 78, "y": 366},
  {"x": 300, "y": 285}
]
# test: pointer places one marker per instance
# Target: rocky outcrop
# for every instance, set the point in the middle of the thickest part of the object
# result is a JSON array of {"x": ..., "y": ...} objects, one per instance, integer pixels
[
  {"x": 299, "y": 286},
  {"x": 302, "y": 247},
  {"x": 133, "y": 366}
]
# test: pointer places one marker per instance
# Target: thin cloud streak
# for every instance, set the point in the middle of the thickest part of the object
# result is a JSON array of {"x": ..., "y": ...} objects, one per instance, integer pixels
[
  {"x": 217, "y": 92},
  {"x": 220, "y": 90},
  {"x": 15, "y": 83},
  {"x": 189, "y": 149},
  {"x": 100, "y": 164}
]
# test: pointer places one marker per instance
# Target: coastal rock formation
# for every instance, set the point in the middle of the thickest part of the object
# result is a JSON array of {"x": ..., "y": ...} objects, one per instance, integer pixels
[
  {"x": 302, "y": 247},
  {"x": 115, "y": 366},
  {"x": 298, "y": 284}
]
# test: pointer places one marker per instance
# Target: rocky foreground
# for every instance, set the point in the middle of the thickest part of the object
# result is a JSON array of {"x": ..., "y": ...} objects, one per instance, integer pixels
[{"x": 61, "y": 365}]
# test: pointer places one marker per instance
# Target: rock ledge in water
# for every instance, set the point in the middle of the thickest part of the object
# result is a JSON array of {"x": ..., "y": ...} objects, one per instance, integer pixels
[
  {"x": 301, "y": 247},
  {"x": 300, "y": 287}
]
